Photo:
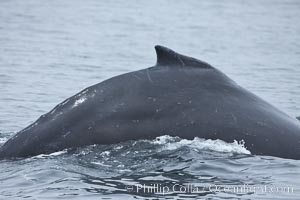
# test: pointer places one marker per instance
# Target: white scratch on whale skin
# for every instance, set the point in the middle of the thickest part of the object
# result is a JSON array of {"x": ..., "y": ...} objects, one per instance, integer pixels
[
  {"x": 149, "y": 77},
  {"x": 65, "y": 102},
  {"x": 79, "y": 101},
  {"x": 66, "y": 134},
  {"x": 53, "y": 111},
  {"x": 26, "y": 129}
]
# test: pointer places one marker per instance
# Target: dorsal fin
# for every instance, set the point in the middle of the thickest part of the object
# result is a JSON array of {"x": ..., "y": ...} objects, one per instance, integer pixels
[{"x": 166, "y": 56}]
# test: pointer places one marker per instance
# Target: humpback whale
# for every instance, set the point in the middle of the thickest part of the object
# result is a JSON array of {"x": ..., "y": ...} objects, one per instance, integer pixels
[{"x": 179, "y": 96}]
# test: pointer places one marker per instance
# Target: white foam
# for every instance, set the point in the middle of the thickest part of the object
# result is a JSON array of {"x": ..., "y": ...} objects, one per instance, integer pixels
[
  {"x": 51, "y": 154},
  {"x": 171, "y": 143},
  {"x": 3, "y": 140},
  {"x": 105, "y": 153}
]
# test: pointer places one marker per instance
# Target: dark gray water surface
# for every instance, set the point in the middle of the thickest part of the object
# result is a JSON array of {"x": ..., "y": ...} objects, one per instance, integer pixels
[{"x": 50, "y": 50}]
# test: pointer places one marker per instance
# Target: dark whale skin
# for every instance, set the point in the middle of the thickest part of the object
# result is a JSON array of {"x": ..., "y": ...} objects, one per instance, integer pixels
[{"x": 179, "y": 96}]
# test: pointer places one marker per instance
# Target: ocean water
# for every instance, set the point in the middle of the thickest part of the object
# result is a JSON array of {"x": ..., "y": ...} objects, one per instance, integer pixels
[{"x": 50, "y": 50}]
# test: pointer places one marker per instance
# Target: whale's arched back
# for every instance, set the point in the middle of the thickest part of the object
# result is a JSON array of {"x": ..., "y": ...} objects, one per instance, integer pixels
[{"x": 180, "y": 96}]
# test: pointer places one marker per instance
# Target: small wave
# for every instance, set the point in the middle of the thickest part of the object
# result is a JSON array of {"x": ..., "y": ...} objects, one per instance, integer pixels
[
  {"x": 51, "y": 154},
  {"x": 159, "y": 144},
  {"x": 101, "y": 164},
  {"x": 172, "y": 143}
]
